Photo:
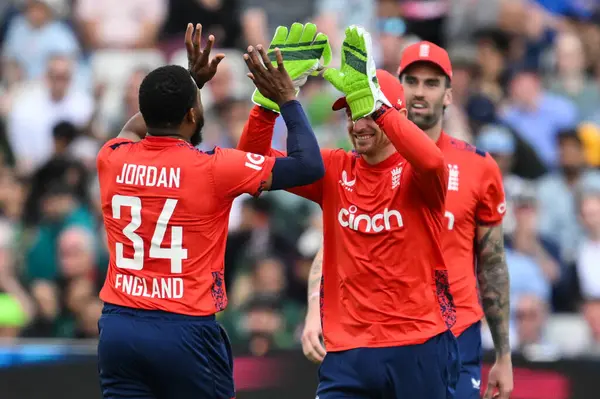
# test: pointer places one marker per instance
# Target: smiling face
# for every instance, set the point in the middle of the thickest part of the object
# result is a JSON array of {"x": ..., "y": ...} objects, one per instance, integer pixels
[
  {"x": 427, "y": 94},
  {"x": 367, "y": 138}
]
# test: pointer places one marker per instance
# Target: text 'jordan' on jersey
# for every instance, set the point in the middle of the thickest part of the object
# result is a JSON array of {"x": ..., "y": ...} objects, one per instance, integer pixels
[{"x": 166, "y": 208}]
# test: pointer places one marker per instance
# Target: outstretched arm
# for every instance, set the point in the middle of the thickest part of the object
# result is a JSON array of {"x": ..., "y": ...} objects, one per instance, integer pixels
[
  {"x": 258, "y": 133},
  {"x": 410, "y": 141},
  {"x": 303, "y": 164},
  {"x": 424, "y": 156}
]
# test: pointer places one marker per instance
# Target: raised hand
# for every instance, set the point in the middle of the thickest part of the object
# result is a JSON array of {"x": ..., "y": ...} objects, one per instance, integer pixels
[
  {"x": 198, "y": 58},
  {"x": 357, "y": 76},
  {"x": 302, "y": 49},
  {"x": 273, "y": 82}
]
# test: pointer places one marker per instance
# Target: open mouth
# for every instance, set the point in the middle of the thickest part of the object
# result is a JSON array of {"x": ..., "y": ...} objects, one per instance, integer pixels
[
  {"x": 419, "y": 107},
  {"x": 363, "y": 137}
]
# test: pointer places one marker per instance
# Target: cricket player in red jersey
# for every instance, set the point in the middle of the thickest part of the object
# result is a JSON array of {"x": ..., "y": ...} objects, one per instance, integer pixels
[
  {"x": 472, "y": 241},
  {"x": 166, "y": 207},
  {"x": 385, "y": 304}
]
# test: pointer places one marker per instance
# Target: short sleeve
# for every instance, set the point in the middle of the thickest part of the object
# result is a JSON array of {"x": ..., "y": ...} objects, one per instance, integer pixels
[
  {"x": 492, "y": 203},
  {"x": 108, "y": 149},
  {"x": 237, "y": 172}
]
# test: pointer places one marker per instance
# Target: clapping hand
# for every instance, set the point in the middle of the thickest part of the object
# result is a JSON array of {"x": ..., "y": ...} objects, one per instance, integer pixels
[
  {"x": 273, "y": 82},
  {"x": 198, "y": 58},
  {"x": 303, "y": 49}
]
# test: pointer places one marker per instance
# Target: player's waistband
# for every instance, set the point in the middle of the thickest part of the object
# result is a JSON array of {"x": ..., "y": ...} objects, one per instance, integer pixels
[{"x": 109, "y": 308}]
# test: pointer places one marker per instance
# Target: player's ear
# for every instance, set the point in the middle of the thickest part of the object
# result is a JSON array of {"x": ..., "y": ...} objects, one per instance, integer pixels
[
  {"x": 190, "y": 116},
  {"x": 448, "y": 97},
  {"x": 403, "y": 112}
]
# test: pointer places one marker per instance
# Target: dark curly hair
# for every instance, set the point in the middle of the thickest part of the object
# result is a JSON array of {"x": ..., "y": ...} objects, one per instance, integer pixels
[{"x": 166, "y": 95}]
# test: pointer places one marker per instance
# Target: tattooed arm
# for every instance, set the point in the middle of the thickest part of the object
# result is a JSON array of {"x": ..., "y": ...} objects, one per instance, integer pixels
[
  {"x": 311, "y": 336},
  {"x": 492, "y": 274},
  {"x": 314, "y": 279}
]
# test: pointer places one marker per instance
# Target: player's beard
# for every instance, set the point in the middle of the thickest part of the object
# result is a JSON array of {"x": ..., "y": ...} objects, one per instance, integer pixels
[
  {"x": 376, "y": 143},
  {"x": 427, "y": 120},
  {"x": 196, "y": 138}
]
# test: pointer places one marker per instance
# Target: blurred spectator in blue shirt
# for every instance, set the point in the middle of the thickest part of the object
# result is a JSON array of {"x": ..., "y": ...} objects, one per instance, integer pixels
[
  {"x": 526, "y": 277},
  {"x": 536, "y": 115},
  {"x": 35, "y": 36},
  {"x": 498, "y": 141},
  {"x": 556, "y": 195},
  {"x": 526, "y": 240}
]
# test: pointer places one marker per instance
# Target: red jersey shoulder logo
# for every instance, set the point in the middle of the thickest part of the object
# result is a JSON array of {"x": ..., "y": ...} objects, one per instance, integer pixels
[{"x": 347, "y": 184}]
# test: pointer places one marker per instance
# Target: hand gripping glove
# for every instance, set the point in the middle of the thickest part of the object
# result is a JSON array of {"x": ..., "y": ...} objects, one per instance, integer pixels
[
  {"x": 356, "y": 77},
  {"x": 301, "y": 51}
]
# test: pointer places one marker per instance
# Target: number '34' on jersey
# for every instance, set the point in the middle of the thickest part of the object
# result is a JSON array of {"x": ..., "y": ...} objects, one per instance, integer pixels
[{"x": 166, "y": 207}]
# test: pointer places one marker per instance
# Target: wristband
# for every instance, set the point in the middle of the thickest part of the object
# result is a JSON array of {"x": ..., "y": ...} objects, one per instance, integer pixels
[{"x": 379, "y": 112}]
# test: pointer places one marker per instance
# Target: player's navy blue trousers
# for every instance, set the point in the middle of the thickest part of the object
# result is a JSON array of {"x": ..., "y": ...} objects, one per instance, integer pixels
[
  {"x": 145, "y": 354},
  {"x": 469, "y": 381},
  {"x": 425, "y": 371}
]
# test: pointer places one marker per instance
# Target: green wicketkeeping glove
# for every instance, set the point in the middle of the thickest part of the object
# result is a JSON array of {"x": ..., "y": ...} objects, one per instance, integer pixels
[
  {"x": 357, "y": 77},
  {"x": 301, "y": 51}
]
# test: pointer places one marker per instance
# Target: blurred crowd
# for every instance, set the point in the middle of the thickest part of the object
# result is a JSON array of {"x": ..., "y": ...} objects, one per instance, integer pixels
[{"x": 526, "y": 88}]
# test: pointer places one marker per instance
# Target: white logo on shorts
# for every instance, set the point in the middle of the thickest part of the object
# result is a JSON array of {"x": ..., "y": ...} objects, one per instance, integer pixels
[{"x": 476, "y": 383}]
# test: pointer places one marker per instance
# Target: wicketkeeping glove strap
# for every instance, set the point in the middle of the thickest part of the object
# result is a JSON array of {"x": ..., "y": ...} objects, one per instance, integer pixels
[{"x": 260, "y": 100}]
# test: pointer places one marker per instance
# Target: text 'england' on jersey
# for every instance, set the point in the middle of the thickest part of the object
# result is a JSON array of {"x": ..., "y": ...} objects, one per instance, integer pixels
[{"x": 166, "y": 208}]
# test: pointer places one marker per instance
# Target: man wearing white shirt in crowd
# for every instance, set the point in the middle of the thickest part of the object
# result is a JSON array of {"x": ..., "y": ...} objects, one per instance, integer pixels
[
  {"x": 37, "y": 110},
  {"x": 35, "y": 34},
  {"x": 111, "y": 24}
]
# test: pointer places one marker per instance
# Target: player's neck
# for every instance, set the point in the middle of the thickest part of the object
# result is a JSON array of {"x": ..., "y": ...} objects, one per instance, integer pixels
[
  {"x": 435, "y": 132},
  {"x": 380, "y": 156},
  {"x": 167, "y": 133}
]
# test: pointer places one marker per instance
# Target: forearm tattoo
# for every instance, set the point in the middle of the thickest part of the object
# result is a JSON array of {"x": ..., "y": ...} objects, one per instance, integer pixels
[
  {"x": 314, "y": 276},
  {"x": 492, "y": 275}
]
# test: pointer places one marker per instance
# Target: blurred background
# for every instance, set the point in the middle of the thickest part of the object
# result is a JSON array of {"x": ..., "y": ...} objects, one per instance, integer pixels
[{"x": 526, "y": 89}]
